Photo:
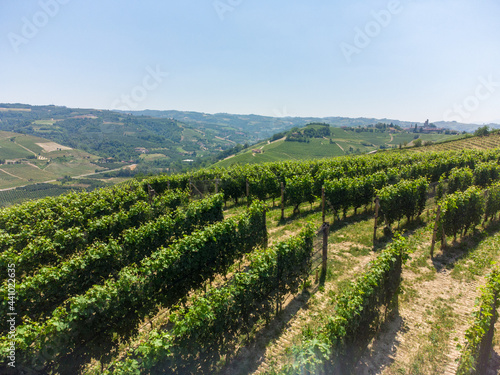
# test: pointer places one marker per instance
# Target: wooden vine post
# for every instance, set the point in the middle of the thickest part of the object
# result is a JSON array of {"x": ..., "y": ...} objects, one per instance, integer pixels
[
  {"x": 326, "y": 231},
  {"x": 434, "y": 234},
  {"x": 377, "y": 206},
  {"x": 193, "y": 188},
  {"x": 323, "y": 203},
  {"x": 216, "y": 185},
  {"x": 282, "y": 201},
  {"x": 151, "y": 194}
]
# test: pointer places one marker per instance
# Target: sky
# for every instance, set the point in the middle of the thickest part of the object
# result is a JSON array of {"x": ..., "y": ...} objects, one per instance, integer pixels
[{"x": 409, "y": 60}]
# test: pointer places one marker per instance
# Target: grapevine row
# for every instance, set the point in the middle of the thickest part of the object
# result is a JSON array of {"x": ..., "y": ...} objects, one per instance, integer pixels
[
  {"x": 47, "y": 251},
  {"x": 52, "y": 285},
  {"x": 463, "y": 210},
  {"x": 164, "y": 277},
  {"x": 215, "y": 318},
  {"x": 476, "y": 351},
  {"x": 460, "y": 179},
  {"x": 406, "y": 198},
  {"x": 74, "y": 209},
  {"x": 45, "y": 216},
  {"x": 326, "y": 350},
  {"x": 265, "y": 179}
]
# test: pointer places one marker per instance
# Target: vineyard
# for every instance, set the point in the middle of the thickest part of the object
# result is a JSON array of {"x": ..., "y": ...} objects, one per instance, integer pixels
[
  {"x": 472, "y": 143},
  {"x": 366, "y": 264}
]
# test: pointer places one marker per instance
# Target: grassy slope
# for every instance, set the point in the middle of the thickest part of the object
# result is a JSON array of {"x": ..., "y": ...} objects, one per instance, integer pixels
[
  {"x": 344, "y": 142},
  {"x": 56, "y": 163}
]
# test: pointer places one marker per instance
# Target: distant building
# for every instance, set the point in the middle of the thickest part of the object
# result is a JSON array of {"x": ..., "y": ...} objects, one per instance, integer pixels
[{"x": 141, "y": 150}]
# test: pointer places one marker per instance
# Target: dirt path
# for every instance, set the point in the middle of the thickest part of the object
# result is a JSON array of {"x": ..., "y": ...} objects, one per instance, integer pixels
[
  {"x": 34, "y": 166},
  {"x": 292, "y": 330},
  {"x": 13, "y": 175},
  {"x": 277, "y": 140},
  {"x": 27, "y": 149},
  {"x": 340, "y": 146},
  {"x": 433, "y": 301},
  {"x": 398, "y": 345}
]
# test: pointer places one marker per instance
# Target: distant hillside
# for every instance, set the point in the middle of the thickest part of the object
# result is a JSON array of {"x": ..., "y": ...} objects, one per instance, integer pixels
[
  {"x": 156, "y": 143},
  {"x": 318, "y": 141},
  {"x": 27, "y": 160},
  {"x": 165, "y": 141},
  {"x": 261, "y": 127}
]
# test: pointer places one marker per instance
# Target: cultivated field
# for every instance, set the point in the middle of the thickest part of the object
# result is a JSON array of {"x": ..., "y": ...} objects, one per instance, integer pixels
[{"x": 149, "y": 279}]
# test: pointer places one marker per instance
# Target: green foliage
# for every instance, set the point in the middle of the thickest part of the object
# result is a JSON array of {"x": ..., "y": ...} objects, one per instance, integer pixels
[
  {"x": 482, "y": 131},
  {"x": 337, "y": 194},
  {"x": 232, "y": 181},
  {"x": 355, "y": 310},
  {"x": 460, "y": 211},
  {"x": 460, "y": 179},
  {"x": 51, "y": 250},
  {"x": 406, "y": 198},
  {"x": 440, "y": 187},
  {"x": 299, "y": 190},
  {"x": 492, "y": 205},
  {"x": 213, "y": 319},
  {"x": 164, "y": 277},
  {"x": 486, "y": 173},
  {"x": 51, "y": 285},
  {"x": 46, "y": 216},
  {"x": 233, "y": 184},
  {"x": 475, "y": 353},
  {"x": 264, "y": 184}
]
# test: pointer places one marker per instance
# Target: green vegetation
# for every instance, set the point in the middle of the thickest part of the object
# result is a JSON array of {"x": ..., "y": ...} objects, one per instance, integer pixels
[
  {"x": 26, "y": 163},
  {"x": 475, "y": 354},
  {"x": 328, "y": 347},
  {"x": 216, "y": 317},
  {"x": 136, "y": 279},
  {"x": 321, "y": 140},
  {"x": 121, "y": 137}
]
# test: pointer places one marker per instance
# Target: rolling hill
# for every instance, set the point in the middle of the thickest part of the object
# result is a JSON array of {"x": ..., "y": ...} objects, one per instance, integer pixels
[
  {"x": 27, "y": 160},
  {"x": 121, "y": 137},
  {"x": 339, "y": 142},
  {"x": 257, "y": 127}
]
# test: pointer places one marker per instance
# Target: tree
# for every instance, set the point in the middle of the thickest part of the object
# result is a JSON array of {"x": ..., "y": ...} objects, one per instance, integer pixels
[
  {"x": 417, "y": 142},
  {"x": 482, "y": 131}
]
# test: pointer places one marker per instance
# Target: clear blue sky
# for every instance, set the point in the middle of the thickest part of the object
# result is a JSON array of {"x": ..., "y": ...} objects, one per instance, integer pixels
[{"x": 409, "y": 59}]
